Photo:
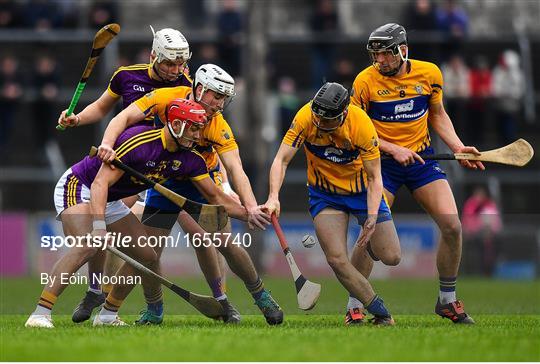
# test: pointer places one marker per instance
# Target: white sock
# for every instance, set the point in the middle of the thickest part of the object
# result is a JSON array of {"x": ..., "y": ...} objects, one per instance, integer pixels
[
  {"x": 222, "y": 297},
  {"x": 354, "y": 303},
  {"x": 106, "y": 315},
  {"x": 94, "y": 290},
  {"x": 447, "y": 297},
  {"x": 40, "y": 310}
]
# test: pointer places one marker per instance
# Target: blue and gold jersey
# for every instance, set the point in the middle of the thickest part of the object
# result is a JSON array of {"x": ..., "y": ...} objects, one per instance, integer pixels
[
  {"x": 399, "y": 106},
  {"x": 335, "y": 159}
]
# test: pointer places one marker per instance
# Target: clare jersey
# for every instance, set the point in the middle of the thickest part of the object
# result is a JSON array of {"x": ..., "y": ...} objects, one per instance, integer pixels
[
  {"x": 133, "y": 82},
  {"x": 399, "y": 106},
  {"x": 334, "y": 160},
  {"x": 144, "y": 149},
  {"x": 216, "y": 136}
]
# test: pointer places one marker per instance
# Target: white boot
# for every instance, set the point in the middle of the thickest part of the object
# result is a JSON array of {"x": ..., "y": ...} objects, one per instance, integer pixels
[
  {"x": 44, "y": 321},
  {"x": 106, "y": 321}
]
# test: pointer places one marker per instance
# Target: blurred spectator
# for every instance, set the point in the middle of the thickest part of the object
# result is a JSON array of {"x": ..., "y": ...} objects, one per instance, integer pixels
[
  {"x": 481, "y": 224},
  {"x": 46, "y": 84},
  {"x": 344, "y": 73},
  {"x": 42, "y": 15},
  {"x": 10, "y": 14},
  {"x": 508, "y": 89},
  {"x": 289, "y": 104},
  {"x": 230, "y": 26},
  {"x": 480, "y": 84},
  {"x": 420, "y": 16},
  {"x": 195, "y": 14},
  {"x": 453, "y": 22},
  {"x": 457, "y": 89},
  {"x": 11, "y": 91},
  {"x": 69, "y": 11},
  {"x": 324, "y": 25},
  {"x": 207, "y": 53},
  {"x": 143, "y": 55},
  {"x": 103, "y": 12}
]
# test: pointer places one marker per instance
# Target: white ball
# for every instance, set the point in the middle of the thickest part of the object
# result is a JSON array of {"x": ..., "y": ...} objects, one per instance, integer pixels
[{"x": 308, "y": 241}]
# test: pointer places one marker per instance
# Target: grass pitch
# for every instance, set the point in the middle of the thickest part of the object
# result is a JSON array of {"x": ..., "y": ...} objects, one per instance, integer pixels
[{"x": 507, "y": 316}]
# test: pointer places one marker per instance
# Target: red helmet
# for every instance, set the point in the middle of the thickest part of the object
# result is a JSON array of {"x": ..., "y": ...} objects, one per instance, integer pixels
[{"x": 187, "y": 111}]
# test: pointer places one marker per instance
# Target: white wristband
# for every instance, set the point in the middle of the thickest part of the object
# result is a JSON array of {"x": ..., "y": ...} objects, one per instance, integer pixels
[
  {"x": 99, "y": 225},
  {"x": 227, "y": 188}
]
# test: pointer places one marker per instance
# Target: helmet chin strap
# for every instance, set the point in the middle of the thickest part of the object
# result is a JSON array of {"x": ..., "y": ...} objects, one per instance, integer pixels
[{"x": 179, "y": 135}]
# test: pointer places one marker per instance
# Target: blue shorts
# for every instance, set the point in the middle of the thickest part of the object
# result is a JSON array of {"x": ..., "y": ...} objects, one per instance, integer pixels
[
  {"x": 185, "y": 188},
  {"x": 353, "y": 204},
  {"x": 413, "y": 176}
]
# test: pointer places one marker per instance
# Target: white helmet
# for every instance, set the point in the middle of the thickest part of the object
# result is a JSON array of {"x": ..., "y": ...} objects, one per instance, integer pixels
[
  {"x": 214, "y": 78},
  {"x": 170, "y": 44}
]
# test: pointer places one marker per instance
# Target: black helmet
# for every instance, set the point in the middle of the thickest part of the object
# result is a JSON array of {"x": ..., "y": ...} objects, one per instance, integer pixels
[
  {"x": 330, "y": 102},
  {"x": 388, "y": 37}
]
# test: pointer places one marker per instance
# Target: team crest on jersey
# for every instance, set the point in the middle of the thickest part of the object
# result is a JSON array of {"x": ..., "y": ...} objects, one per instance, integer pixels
[
  {"x": 347, "y": 145},
  {"x": 418, "y": 88},
  {"x": 293, "y": 124},
  {"x": 225, "y": 134},
  {"x": 176, "y": 165},
  {"x": 151, "y": 164},
  {"x": 150, "y": 94},
  {"x": 375, "y": 142}
]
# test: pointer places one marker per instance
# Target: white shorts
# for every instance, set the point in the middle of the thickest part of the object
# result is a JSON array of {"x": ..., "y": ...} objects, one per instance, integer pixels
[{"x": 69, "y": 191}]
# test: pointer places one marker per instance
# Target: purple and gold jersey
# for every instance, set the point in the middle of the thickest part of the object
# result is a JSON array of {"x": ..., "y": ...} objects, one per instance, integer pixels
[
  {"x": 133, "y": 82},
  {"x": 399, "y": 106},
  {"x": 143, "y": 148}
]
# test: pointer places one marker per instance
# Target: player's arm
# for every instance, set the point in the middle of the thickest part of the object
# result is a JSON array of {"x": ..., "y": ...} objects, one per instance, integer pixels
[
  {"x": 441, "y": 123},
  {"x": 233, "y": 164},
  {"x": 93, "y": 113},
  {"x": 216, "y": 196},
  {"x": 277, "y": 174},
  {"x": 225, "y": 182},
  {"x": 99, "y": 190},
  {"x": 129, "y": 116},
  {"x": 374, "y": 197}
]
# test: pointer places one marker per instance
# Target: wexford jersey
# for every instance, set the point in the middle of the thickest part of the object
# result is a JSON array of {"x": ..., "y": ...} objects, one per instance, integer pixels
[
  {"x": 398, "y": 106},
  {"x": 216, "y": 137},
  {"x": 133, "y": 82},
  {"x": 335, "y": 159},
  {"x": 143, "y": 148}
]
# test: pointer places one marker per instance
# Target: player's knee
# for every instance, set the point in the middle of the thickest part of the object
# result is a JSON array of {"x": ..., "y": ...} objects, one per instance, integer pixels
[
  {"x": 391, "y": 259},
  {"x": 337, "y": 262},
  {"x": 149, "y": 258},
  {"x": 451, "y": 231},
  {"x": 84, "y": 254}
]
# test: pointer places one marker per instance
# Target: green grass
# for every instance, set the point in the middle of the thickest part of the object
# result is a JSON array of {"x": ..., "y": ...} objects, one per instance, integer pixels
[{"x": 507, "y": 315}]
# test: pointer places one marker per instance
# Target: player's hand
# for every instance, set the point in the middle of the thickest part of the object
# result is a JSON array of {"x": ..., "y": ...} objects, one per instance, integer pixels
[
  {"x": 405, "y": 156},
  {"x": 272, "y": 206},
  {"x": 68, "y": 121},
  {"x": 106, "y": 153},
  {"x": 367, "y": 231},
  {"x": 468, "y": 163},
  {"x": 258, "y": 218}
]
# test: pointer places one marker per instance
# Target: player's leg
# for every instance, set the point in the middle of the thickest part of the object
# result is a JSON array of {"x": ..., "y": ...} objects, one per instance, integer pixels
[
  {"x": 76, "y": 222},
  {"x": 102, "y": 263},
  {"x": 241, "y": 264},
  {"x": 127, "y": 276},
  {"x": 437, "y": 199},
  {"x": 331, "y": 228},
  {"x": 384, "y": 245}
]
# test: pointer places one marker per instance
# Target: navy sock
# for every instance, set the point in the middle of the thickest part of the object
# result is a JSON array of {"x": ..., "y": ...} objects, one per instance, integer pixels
[
  {"x": 376, "y": 308},
  {"x": 156, "y": 307}
]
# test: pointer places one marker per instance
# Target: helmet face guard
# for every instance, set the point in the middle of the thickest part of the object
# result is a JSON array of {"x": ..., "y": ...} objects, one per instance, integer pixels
[
  {"x": 214, "y": 78},
  {"x": 188, "y": 113},
  {"x": 388, "y": 39},
  {"x": 329, "y": 107}
]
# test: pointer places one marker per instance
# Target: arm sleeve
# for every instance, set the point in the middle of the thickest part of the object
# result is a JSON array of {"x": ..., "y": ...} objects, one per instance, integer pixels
[
  {"x": 199, "y": 170},
  {"x": 436, "y": 86},
  {"x": 360, "y": 93},
  {"x": 368, "y": 140},
  {"x": 115, "y": 84},
  {"x": 147, "y": 103},
  {"x": 296, "y": 135},
  {"x": 222, "y": 136}
]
